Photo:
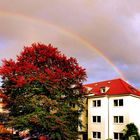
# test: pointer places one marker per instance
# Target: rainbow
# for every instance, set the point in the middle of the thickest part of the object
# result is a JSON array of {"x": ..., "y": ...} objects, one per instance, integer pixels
[{"x": 67, "y": 32}]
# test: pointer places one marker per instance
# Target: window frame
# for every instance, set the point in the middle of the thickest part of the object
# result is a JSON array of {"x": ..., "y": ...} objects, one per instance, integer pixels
[
  {"x": 96, "y": 135},
  {"x": 103, "y": 89},
  {"x": 118, "y": 119},
  {"x": 121, "y": 119},
  {"x": 118, "y": 134},
  {"x": 96, "y": 119},
  {"x": 96, "y": 103},
  {"x": 118, "y": 102}
]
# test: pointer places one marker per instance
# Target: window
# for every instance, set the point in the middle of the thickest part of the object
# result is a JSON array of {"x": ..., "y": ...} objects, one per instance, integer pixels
[
  {"x": 115, "y": 119},
  {"x": 97, "y": 135},
  {"x": 118, "y": 136},
  {"x": 115, "y": 102},
  {"x": 118, "y": 102},
  {"x": 104, "y": 89},
  {"x": 96, "y": 103},
  {"x": 72, "y": 104},
  {"x": 118, "y": 119},
  {"x": 121, "y": 102},
  {"x": 96, "y": 119}
]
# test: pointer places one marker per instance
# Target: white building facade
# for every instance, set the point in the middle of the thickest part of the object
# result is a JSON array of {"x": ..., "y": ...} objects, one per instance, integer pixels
[{"x": 111, "y": 106}]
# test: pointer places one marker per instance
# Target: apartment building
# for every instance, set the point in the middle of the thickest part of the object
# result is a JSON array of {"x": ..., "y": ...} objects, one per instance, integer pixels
[{"x": 111, "y": 106}]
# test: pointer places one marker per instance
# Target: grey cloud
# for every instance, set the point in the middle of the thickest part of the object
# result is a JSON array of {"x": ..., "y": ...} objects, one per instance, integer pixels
[{"x": 112, "y": 26}]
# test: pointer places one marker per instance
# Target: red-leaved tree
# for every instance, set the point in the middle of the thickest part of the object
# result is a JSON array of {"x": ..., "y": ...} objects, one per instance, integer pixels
[{"x": 41, "y": 84}]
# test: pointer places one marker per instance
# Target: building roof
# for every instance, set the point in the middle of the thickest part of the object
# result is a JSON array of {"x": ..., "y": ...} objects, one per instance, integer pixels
[{"x": 111, "y": 87}]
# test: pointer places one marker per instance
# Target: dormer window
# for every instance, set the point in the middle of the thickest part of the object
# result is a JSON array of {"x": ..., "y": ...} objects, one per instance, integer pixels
[
  {"x": 104, "y": 89},
  {"x": 89, "y": 89}
]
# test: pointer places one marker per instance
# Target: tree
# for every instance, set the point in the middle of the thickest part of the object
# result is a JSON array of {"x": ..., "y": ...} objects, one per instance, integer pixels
[
  {"x": 131, "y": 132},
  {"x": 41, "y": 84}
]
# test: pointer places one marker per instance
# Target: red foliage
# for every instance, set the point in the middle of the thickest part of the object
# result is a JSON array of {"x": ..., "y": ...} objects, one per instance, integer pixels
[{"x": 42, "y": 63}]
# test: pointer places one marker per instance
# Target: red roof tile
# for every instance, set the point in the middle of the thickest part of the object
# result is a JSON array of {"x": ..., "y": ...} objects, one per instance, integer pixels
[{"x": 114, "y": 87}]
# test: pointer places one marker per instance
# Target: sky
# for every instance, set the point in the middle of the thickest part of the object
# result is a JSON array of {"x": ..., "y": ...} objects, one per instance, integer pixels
[{"x": 104, "y": 36}]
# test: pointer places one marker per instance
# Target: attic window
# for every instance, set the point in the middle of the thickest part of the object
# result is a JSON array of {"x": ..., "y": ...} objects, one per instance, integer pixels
[
  {"x": 89, "y": 89},
  {"x": 104, "y": 89}
]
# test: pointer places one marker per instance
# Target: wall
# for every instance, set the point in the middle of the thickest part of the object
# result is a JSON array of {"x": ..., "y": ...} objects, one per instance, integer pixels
[
  {"x": 97, "y": 111},
  {"x": 118, "y": 111},
  {"x": 134, "y": 112}
]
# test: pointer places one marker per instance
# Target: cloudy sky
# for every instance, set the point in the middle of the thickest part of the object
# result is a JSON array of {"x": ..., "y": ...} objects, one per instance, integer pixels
[{"x": 104, "y": 36}]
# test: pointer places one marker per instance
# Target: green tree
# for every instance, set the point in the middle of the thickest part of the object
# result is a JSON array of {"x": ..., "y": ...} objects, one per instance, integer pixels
[
  {"x": 41, "y": 84},
  {"x": 131, "y": 131}
]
